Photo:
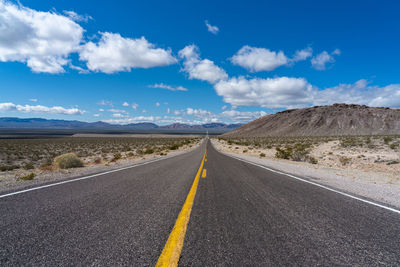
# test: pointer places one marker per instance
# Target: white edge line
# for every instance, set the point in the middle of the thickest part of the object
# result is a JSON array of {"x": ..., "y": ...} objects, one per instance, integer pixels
[
  {"x": 89, "y": 176},
  {"x": 313, "y": 183}
]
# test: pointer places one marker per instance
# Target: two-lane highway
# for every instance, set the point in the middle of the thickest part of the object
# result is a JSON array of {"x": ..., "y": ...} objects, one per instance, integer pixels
[{"x": 238, "y": 215}]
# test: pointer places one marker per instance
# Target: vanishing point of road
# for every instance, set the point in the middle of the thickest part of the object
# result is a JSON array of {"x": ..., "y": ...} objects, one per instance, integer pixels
[{"x": 200, "y": 208}]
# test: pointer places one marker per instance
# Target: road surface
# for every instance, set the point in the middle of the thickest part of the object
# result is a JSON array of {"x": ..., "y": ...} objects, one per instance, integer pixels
[{"x": 241, "y": 215}]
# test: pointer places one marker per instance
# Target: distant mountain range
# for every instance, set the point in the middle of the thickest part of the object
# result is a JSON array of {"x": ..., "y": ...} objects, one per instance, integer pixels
[
  {"x": 38, "y": 123},
  {"x": 337, "y": 119}
]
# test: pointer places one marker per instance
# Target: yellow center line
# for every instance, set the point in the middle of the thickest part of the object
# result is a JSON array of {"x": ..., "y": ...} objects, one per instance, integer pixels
[
  {"x": 172, "y": 249},
  {"x": 204, "y": 174}
]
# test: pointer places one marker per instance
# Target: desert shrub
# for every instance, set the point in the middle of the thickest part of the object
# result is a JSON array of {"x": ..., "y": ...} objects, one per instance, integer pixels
[
  {"x": 97, "y": 160},
  {"x": 282, "y": 153},
  {"x": 344, "y": 160},
  {"x": 262, "y": 155},
  {"x": 27, "y": 177},
  {"x": 393, "y": 146},
  {"x": 149, "y": 151},
  {"x": 117, "y": 156},
  {"x": 66, "y": 161},
  {"x": 393, "y": 162},
  {"x": 28, "y": 166},
  {"x": 244, "y": 151},
  {"x": 173, "y": 147},
  {"x": 312, "y": 160},
  {"x": 387, "y": 139},
  {"x": 5, "y": 168}
]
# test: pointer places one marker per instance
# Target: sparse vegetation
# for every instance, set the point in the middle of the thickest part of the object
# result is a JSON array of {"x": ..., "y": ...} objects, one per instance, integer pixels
[
  {"x": 27, "y": 177},
  {"x": 67, "y": 161},
  {"x": 31, "y": 154}
]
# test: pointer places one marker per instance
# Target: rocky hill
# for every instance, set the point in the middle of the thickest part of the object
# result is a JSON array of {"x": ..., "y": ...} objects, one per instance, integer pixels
[{"x": 338, "y": 119}]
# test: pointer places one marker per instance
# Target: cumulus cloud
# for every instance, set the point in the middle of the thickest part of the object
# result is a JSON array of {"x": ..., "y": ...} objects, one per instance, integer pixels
[
  {"x": 135, "y": 106},
  {"x": 113, "y": 110},
  {"x": 33, "y": 100},
  {"x": 242, "y": 116},
  {"x": 40, "y": 109},
  {"x": 259, "y": 59},
  {"x": 157, "y": 104},
  {"x": 211, "y": 28},
  {"x": 119, "y": 115},
  {"x": 319, "y": 62},
  {"x": 270, "y": 93},
  {"x": 197, "y": 68},
  {"x": 76, "y": 17},
  {"x": 125, "y": 104},
  {"x": 105, "y": 103},
  {"x": 360, "y": 93},
  {"x": 42, "y": 40},
  {"x": 302, "y": 54},
  {"x": 137, "y": 119},
  {"x": 96, "y": 115},
  {"x": 114, "y": 53},
  {"x": 168, "y": 87}
]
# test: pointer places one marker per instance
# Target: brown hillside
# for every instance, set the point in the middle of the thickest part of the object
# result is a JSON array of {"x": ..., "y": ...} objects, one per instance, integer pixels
[{"x": 338, "y": 119}]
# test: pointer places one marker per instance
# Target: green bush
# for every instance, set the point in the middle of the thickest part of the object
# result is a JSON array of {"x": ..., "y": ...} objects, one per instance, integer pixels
[
  {"x": 387, "y": 139},
  {"x": 282, "y": 153},
  {"x": 117, "y": 156},
  {"x": 27, "y": 177},
  {"x": 29, "y": 166},
  {"x": 262, "y": 155},
  {"x": 149, "y": 151},
  {"x": 173, "y": 147},
  {"x": 8, "y": 167},
  {"x": 66, "y": 161}
]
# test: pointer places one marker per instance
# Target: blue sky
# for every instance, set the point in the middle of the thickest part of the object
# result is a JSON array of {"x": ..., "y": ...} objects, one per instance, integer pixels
[{"x": 194, "y": 61}]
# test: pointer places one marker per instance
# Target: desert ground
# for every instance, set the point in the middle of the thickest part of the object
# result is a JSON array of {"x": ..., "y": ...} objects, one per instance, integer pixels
[{"x": 30, "y": 161}]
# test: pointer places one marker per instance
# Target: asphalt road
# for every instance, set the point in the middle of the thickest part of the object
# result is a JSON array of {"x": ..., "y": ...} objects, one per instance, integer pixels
[{"x": 242, "y": 215}]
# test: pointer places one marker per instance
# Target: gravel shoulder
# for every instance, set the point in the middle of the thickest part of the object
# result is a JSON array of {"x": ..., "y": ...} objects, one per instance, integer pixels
[
  {"x": 9, "y": 180},
  {"x": 383, "y": 187}
]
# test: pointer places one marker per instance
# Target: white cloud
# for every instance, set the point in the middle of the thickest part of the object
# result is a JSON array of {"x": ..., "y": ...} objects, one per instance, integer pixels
[
  {"x": 33, "y": 100},
  {"x": 259, "y": 59},
  {"x": 135, "y": 106},
  {"x": 40, "y": 109},
  {"x": 144, "y": 111},
  {"x": 242, "y": 116},
  {"x": 270, "y": 93},
  {"x": 76, "y": 17},
  {"x": 157, "y": 104},
  {"x": 168, "y": 87},
  {"x": 114, "y": 53},
  {"x": 119, "y": 115},
  {"x": 204, "y": 70},
  {"x": 360, "y": 93},
  {"x": 319, "y": 62},
  {"x": 224, "y": 107},
  {"x": 211, "y": 28},
  {"x": 134, "y": 119},
  {"x": 105, "y": 103},
  {"x": 302, "y": 54},
  {"x": 113, "y": 110},
  {"x": 42, "y": 40},
  {"x": 168, "y": 110},
  {"x": 101, "y": 110},
  {"x": 125, "y": 104},
  {"x": 96, "y": 115}
]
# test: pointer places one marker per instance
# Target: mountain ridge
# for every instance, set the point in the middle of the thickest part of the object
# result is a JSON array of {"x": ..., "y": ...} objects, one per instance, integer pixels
[
  {"x": 333, "y": 120},
  {"x": 25, "y": 123}
]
